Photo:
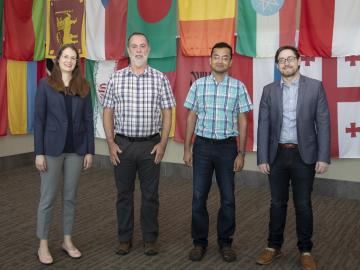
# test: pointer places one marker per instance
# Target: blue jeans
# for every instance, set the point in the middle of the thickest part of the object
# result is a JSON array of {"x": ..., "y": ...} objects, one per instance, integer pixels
[
  {"x": 289, "y": 165},
  {"x": 207, "y": 158}
]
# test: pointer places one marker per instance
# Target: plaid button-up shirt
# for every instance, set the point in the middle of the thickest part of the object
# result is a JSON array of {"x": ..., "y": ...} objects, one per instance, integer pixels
[
  {"x": 217, "y": 106},
  {"x": 137, "y": 101}
]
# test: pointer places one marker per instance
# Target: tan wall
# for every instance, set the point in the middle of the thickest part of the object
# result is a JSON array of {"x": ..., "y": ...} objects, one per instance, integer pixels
[{"x": 340, "y": 169}]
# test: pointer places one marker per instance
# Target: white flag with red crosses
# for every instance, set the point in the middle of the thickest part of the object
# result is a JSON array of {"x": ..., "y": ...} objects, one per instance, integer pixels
[
  {"x": 349, "y": 129},
  {"x": 341, "y": 79}
]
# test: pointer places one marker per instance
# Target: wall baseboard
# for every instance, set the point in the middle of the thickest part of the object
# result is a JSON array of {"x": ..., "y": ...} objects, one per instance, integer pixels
[{"x": 322, "y": 186}]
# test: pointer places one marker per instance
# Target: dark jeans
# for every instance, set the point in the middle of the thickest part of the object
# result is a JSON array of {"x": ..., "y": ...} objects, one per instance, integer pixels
[
  {"x": 289, "y": 165},
  {"x": 136, "y": 158},
  {"x": 208, "y": 157}
]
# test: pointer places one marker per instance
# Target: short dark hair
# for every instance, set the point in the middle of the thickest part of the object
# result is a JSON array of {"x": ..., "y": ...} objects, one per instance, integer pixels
[
  {"x": 286, "y": 47},
  {"x": 137, "y": 34},
  {"x": 222, "y": 45}
]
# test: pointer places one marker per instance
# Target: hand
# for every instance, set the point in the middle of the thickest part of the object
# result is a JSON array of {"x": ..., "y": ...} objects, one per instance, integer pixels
[
  {"x": 264, "y": 168},
  {"x": 159, "y": 150},
  {"x": 239, "y": 163},
  {"x": 87, "y": 161},
  {"x": 114, "y": 150},
  {"x": 40, "y": 163},
  {"x": 321, "y": 167},
  {"x": 187, "y": 158}
]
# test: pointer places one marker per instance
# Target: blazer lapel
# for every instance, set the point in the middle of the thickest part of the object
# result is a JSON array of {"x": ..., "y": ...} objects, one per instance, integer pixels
[{"x": 301, "y": 95}]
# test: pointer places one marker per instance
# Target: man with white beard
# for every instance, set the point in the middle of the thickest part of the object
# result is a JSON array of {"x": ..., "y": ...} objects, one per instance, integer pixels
[{"x": 137, "y": 121}]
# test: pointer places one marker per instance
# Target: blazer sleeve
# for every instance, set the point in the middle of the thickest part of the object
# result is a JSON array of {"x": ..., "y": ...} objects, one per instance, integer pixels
[
  {"x": 263, "y": 130},
  {"x": 40, "y": 118},
  {"x": 89, "y": 122},
  {"x": 323, "y": 126}
]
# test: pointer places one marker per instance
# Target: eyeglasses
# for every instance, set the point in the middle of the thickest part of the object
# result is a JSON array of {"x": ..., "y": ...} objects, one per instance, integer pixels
[{"x": 289, "y": 59}]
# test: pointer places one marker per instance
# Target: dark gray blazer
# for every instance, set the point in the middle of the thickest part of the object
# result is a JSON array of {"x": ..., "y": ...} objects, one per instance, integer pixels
[
  {"x": 51, "y": 122},
  {"x": 312, "y": 122}
]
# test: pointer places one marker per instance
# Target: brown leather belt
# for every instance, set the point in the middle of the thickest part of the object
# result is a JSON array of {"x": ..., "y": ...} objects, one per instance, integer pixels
[{"x": 288, "y": 145}]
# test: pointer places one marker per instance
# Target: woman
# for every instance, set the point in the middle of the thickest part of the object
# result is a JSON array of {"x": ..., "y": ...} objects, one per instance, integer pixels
[{"x": 64, "y": 144}]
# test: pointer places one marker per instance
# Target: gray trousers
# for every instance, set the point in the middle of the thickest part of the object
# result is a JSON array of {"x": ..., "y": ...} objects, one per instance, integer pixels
[{"x": 69, "y": 166}]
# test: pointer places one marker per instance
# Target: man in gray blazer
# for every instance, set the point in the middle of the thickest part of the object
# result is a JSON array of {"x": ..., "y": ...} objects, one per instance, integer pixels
[{"x": 293, "y": 143}]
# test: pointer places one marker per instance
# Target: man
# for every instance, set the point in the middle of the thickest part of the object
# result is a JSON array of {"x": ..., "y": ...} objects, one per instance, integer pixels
[
  {"x": 217, "y": 114},
  {"x": 293, "y": 143},
  {"x": 134, "y": 98}
]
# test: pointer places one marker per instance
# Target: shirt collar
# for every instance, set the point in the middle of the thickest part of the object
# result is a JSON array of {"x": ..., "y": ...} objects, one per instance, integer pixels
[
  {"x": 293, "y": 83},
  {"x": 213, "y": 78},
  {"x": 130, "y": 72}
]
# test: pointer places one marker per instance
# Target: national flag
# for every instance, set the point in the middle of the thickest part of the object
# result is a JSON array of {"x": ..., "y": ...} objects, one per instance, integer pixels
[
  {"x": 349, "y": 129},
  {"x": 22, "y": 78},
  {"x": 65, "y": 25},
  {"x": 105, "y": 29},
  {"x": 1, "y": 26},
  {"x": 24, "y": 30},
  {"x": 255, "y": 73},
  {"x": 3, "y": 98},
  {"x": 329, "y": 28},
  {"x": 311, "y": 67},
  {"x": 348, "y": 71},
  {"x": 157, "y": 20},
  {"x": 264, "y": 26},
  {"x": 203, "y": 23},
  {"x": 188, "y": 70},
  {"x": 337, "y": 91},
  {"x": 98, "y": 74}
]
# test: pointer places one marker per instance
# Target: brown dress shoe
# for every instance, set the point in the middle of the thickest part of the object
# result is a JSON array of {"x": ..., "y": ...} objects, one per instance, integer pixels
[
  {"x": 307, "y": 262},
  {"x": 123, "y": 248},
  {"x": 228, "y": 254},
  {"x": 268, "y": 255},
  {"x": 150, "y": 248},
  {"x": 197, "y": 253}
]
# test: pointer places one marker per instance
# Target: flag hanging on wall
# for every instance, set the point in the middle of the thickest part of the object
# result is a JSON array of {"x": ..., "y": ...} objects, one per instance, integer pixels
[
  {"x": 105, "y": 29},
  {"x": 188, "y": 70},
  {"x": 340, "y": 77},
  {"x": 3, "y": 98},
  {"x": 24, "y": 30},
  {"x": 330, "y": 28},
  {"x": 22, "y": 78},
  {"x": 255, "y": 73},
  {"x": 203, "y": 23},
  {"x": 1, "y": 26},
  {"x": 262, "y": 27},
  {"x": 65, "y": 25},
  {"x": 157, "y": 20}
]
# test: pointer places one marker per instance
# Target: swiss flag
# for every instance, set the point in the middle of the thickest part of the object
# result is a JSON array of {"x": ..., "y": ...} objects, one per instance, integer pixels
[{"x": 340, "y": 77}]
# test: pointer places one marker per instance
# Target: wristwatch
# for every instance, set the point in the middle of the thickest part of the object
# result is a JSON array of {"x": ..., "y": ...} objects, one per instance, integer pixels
[{"x": 242, "y": 153}]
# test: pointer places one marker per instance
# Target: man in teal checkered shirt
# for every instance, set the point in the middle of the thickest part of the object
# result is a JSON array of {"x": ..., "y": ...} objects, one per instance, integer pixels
[{"x": 217, "y": 107}]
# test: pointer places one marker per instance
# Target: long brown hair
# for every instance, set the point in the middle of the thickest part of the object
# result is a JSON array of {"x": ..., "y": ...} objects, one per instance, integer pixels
[{"x": 78, "y": 85}]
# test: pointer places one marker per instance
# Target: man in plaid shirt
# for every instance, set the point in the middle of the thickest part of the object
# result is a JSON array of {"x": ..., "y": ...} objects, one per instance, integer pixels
[
  {"x": 137, "y": 108},
  {"x": 217, "y": 115}
]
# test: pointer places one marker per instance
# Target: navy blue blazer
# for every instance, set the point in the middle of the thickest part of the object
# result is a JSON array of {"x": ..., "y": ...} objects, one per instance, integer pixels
[
  {"x": 51, "y": 122},
  {"x": 312, "y": 122}
]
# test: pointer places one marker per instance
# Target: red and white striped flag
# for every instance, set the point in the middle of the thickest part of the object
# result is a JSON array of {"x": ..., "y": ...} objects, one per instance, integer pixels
[{"x": 330, "y": 28}]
